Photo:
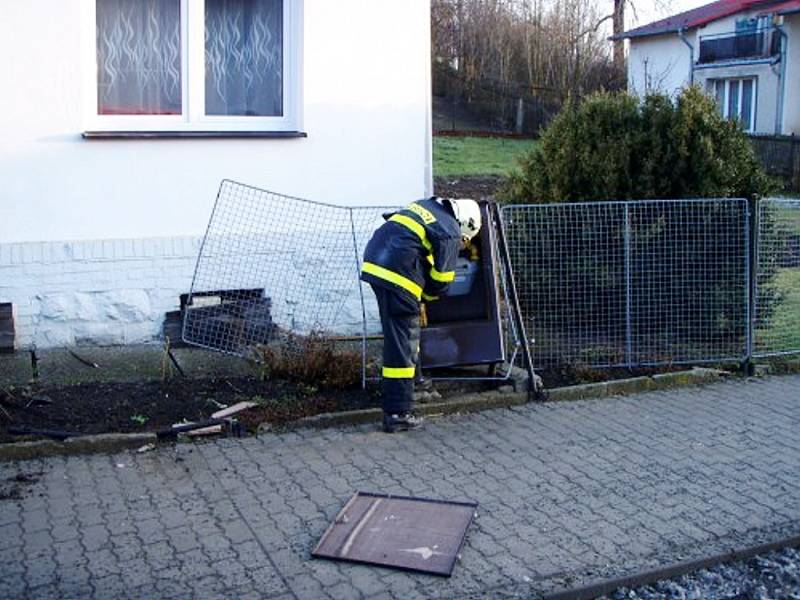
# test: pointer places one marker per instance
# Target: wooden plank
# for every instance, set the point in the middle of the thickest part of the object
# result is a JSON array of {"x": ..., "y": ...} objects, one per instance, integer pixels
[
  {"x": 7, "y": 330},
  {"x": 232, "y": 410},
  {"x": 6, "y": 312},
  {"x": 212, "y": 430}
]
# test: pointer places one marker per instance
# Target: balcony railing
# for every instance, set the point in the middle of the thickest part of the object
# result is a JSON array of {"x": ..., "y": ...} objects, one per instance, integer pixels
[{"x": 750, "y": 45}]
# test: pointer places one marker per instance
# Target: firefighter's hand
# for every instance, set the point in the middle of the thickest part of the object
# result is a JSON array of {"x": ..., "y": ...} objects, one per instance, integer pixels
[{"x": 423, "y": 315}]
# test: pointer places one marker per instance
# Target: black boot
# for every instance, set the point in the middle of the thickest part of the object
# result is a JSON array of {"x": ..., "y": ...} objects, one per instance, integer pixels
[{"x": 393, "y": 422}]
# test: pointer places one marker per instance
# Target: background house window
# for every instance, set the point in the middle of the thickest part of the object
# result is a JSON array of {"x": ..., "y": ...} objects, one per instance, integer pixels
[
  {"x": 195, "y": 64},
  {"x": 736, "y": 99}
]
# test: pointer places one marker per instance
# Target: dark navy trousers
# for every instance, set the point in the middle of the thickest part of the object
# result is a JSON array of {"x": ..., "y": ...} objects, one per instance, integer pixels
[{"x": 400, "y": 324}]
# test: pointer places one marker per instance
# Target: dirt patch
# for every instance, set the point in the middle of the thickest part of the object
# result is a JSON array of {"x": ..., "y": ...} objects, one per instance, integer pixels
[
  {"x": 479, "y": 187},
  {"x": 567, "y": 375},
  {"x": 14, "y": 488},
  {"x": 92, "y": 408},
  {"x": 138, "y": 407}
]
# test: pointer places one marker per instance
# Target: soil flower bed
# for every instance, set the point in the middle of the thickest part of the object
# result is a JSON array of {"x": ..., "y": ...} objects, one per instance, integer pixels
[{"x": 110, "y": 407}]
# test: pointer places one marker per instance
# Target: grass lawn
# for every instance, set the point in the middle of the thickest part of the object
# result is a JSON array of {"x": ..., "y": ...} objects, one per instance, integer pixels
[
  {"x": 783, "y": 332},
  {"x": 458, "y": 156}
]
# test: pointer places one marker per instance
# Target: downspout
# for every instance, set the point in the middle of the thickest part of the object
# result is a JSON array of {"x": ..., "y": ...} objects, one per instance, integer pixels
[
  {"x": 691, "y": 54},
  {"x": 782, "y": 77}
]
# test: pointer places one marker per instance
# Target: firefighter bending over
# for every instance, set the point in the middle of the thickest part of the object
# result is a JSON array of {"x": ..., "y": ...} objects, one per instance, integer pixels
[{"x": 411, "y": 258}]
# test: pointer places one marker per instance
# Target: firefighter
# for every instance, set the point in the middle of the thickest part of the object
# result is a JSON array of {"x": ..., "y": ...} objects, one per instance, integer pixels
[{"x": 411, "y": 258}]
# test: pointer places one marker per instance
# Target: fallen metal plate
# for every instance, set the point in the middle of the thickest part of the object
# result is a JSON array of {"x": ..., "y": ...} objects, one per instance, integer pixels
[{"x": 412, "y": 534}]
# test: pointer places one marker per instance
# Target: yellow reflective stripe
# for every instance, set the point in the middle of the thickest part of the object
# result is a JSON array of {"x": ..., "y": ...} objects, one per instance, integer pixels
[
  {"x": 423, "y": 213},
  {"x": 415, "y": 227},
  {"x": 445, "y": 277},
  {"x": 430, "y": 258},
  {"x": 392, "y": 277},
  {"x": 428, "y": 298},
  {"x": 399, "y": 372}
]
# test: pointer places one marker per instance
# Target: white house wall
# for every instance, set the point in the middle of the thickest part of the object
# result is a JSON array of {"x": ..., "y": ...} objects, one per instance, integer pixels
[
  {"x": 98, "y": 237},
  {"x": 662, "y": 63},
  {"x": 659, "y": 63},
  {"x": 791, "y": 118},
  {"x": 767, "y": 88}
]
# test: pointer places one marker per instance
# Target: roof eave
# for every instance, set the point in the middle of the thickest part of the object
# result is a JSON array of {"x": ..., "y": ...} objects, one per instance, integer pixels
[{"x": 631, "y": 35}]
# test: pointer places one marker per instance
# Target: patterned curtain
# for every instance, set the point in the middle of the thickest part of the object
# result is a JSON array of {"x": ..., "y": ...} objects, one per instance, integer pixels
[
  {"x": 244, "y": 57},
  {"x": 138, "y": 57}
]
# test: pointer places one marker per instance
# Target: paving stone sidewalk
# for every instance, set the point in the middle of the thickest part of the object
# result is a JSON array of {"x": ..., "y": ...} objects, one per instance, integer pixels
[{"x": 569, "y": 492}]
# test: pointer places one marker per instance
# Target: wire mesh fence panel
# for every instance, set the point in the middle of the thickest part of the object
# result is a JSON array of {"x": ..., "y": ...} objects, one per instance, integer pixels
[
  {"x": 568, "y": 262},
  {"x": 632, "y": 283},
  {"x": 274, "y": 270},
  {"x": 777, "y": 302},
  {"x": 689, "y": 281}
]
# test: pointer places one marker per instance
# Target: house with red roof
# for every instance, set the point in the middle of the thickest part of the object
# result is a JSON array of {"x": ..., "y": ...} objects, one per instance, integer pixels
[{"x": 745, "y": 53}]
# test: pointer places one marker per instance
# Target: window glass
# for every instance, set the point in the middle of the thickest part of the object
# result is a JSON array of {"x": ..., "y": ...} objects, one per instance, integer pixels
[
  {"x": 747, "y": 103},
  {"x": 138, "y": 57},
  {"x": 244, "y": 57},
  {"x": 733, "y": 99},
  {"x": 720, "y": 95},
  {"x": 746, "y": 25}
]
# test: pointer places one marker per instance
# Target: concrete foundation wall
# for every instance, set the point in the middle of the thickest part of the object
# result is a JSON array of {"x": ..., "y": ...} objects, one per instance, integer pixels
[
  {"x": 116, "y": 292},
  {"x": 95, "y": 292}
]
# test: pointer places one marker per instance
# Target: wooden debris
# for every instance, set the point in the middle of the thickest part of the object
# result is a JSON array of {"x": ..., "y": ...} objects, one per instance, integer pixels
[
  {"x": 82, "y": 360},
  {"x": 212, "y": 430},
  {"x": 232, "y": 410}
]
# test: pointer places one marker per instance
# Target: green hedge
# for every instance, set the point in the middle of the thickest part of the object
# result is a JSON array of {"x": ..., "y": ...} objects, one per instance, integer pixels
[{"x": 620, "y": 147}]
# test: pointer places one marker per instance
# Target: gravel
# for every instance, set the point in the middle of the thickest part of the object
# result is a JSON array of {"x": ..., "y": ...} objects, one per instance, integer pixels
[{"x": 770, "y": 576}]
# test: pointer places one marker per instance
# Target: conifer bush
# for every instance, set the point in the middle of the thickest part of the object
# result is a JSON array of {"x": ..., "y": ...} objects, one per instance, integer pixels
[
  {"x": 618, "y": 147},
  {"x": 681, "y": 290}
]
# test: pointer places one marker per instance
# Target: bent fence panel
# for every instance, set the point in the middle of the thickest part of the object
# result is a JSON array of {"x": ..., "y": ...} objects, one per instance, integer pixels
[
  {"x": 632, "y": 283},
  {"x": 273, "y": 269},
  {"x": 777, "y": 301}
]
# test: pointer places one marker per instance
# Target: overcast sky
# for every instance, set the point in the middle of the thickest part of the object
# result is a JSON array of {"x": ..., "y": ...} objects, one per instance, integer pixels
[{"x": 653, "y": 10}]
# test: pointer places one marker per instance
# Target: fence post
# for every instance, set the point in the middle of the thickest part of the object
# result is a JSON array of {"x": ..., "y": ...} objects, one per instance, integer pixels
[
  {"x": 751, "y": 267},
  {"x": 361, "y": 298},
  {"x": 628, "y": 291}
]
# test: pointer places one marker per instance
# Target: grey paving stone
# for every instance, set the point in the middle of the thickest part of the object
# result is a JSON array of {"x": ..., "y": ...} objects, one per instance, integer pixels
[{"x": 564, "y": 488}]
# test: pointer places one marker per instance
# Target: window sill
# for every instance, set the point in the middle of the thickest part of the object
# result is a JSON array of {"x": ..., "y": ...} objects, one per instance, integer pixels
[{"x": 120, "y": 135}]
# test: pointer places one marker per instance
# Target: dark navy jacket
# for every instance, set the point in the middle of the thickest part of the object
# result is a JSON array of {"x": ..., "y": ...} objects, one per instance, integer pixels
[{"x": 415, "y": 251}]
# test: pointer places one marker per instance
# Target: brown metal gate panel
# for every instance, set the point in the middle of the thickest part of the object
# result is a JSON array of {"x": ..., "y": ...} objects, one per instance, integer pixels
[{"x": 413, "y": 534}]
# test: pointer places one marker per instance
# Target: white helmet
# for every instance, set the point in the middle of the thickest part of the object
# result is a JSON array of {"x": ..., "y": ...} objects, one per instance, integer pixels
[{"x": 468, "y": 215}]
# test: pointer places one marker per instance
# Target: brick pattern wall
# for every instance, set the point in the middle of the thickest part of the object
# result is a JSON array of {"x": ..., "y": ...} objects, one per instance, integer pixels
[{"x": 94, "y": 292}]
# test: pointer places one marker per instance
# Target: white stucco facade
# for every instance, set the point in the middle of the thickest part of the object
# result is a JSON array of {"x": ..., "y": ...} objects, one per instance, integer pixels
[
  {"x": 67, "y": 202},
  {"x": 668, "y": 62},
  {"x": 660, "y": 63},
  {"x": 791, "y": 115}
]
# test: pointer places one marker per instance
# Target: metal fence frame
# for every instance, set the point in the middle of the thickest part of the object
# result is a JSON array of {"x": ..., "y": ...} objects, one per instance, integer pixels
[
  {"x": 243, "y": 270},
  {"x": 747, "y": 233},
  {"x": 645, "y": 240},
  {"x": 776, "y": 243}
]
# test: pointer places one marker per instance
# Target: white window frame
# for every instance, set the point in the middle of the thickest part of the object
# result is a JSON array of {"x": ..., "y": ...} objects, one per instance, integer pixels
[
  {"x": 725, "y": 108},
  {"x": 193, "y": 118}
]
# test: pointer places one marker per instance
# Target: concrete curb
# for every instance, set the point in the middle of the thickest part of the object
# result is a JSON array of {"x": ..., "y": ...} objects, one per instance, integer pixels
[
  {"x": 636, "y": 385},
  {"x": 468, "y": 403},
  {"x": 491, "y": 400},
  {"x": 86, "y": 444}
]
